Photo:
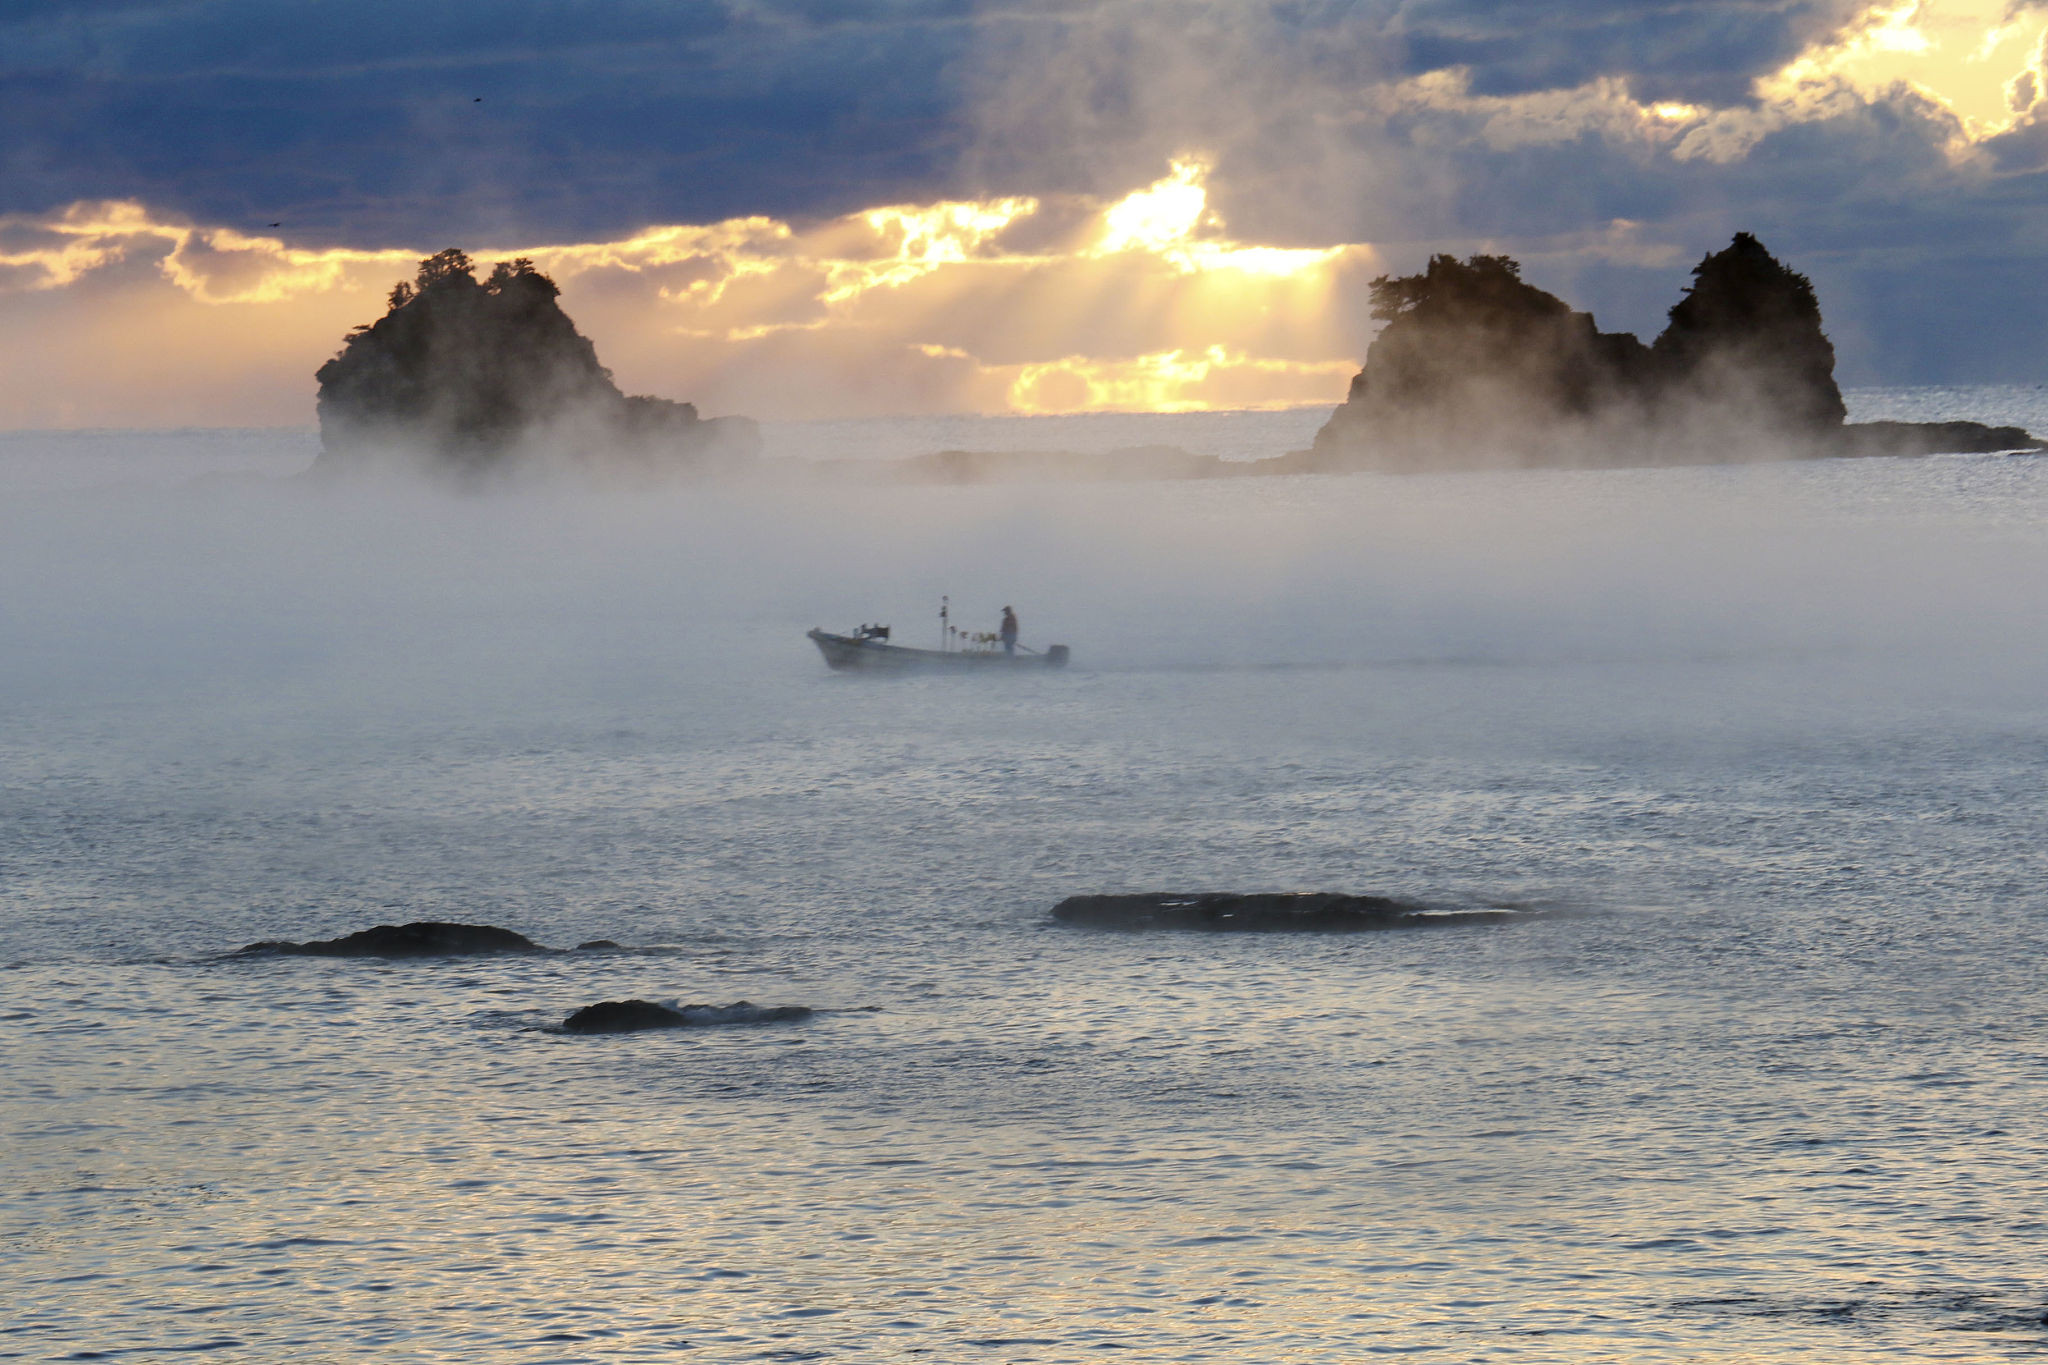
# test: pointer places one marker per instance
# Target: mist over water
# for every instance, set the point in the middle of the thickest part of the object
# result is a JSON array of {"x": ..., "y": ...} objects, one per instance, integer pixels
[{"x": 1768, "y": 739}]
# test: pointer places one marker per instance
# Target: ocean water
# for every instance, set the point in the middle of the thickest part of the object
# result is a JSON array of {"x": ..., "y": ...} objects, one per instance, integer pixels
[{"x": 1765, "y": 741}]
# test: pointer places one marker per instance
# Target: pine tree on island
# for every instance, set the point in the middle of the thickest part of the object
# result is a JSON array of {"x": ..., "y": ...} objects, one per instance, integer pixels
[{"x": 470, "y": 378}]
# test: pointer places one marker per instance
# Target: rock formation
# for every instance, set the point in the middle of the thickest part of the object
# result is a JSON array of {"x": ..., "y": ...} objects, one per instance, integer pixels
[
  {"x": 467, "y": 377},
  {"x": 424, "y": 938},
  {"x": 1747, "y": 337},
  {"x": 1278, "y": 912},
  {"x": 1470, "y": 354},
  {"x": 633, "y": 1016},
  {"x": 1476, "y": 367}
]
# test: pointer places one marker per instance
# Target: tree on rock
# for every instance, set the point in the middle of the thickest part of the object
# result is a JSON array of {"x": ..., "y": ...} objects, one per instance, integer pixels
[
  {"x": 1748, "y": 331},
  {"x": 1472, "y": 354},
  {"x": 1476, "y": 366},
  {"x": 468, "y": 377},
  {"x": 444, "y": 268}
]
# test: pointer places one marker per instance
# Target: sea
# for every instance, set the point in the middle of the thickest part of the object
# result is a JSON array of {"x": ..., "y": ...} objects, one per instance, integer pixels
[{"x": 1760, "y": 747}]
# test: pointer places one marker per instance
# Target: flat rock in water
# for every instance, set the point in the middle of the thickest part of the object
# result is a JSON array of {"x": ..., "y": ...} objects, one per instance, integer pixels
[
  {"x": 426, "y": 938},
  {"x": 1932, "y": 438},
  {"x": 632, "y": 1016},
  {"x": 1281, "y": 912}
]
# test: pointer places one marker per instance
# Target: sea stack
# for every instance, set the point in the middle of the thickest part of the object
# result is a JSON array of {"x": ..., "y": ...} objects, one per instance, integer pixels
[
  {"x": 1478, "y": 368},
  {"x": 469, "y": 378},
  {"x": 1747, "y": 339}
]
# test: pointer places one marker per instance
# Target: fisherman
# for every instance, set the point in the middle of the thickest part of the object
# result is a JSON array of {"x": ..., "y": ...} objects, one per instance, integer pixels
[{"x": 1009, "y": 632}]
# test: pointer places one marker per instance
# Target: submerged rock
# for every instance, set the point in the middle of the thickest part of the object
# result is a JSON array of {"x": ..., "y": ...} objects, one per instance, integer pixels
[
  {"x": 623, "y": 1016},
  {"x": 466, "y": 378},
  {"x": 425, "y": 938},
  {"x": 1476, "y": 367},
  {"x": 1277, "y": 912},
  {"x": 632, "y": 1016}
]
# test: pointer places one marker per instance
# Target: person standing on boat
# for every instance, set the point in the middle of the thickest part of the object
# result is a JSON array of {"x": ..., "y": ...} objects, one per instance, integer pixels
[{"x": 1009, "y": 632}]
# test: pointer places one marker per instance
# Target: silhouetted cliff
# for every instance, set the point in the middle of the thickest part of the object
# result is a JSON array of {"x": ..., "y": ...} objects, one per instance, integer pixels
[
  {"x": 1475, "y": 367},
  {"x": 1469, "y": 355},
  {"x": 1748, "y": 332},
  {"x": 469, "y": 377}
]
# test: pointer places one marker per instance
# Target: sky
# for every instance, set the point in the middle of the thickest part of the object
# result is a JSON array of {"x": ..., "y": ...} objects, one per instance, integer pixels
[{"x": 806, "y": 209}]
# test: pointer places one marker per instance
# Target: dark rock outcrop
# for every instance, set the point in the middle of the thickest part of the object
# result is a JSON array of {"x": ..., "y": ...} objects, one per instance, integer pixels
[
  {"x": 425, "y": 938},
  {"x": 623, "y": 1016},
  {"x": 1747, "y": 338},
  {"x": 1280, "y": 912},
  {"x": 1932, "y": 438},
  {"x": 1470, "y": 355},
  {"x": 466, "y": 377},
  {"x": 1477, "y": 368},
  {"x": 632, "y": 1016}
]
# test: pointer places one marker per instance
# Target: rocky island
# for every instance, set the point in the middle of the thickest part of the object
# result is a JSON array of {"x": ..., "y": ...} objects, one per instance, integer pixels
[
  {"x": 469, "y": 377},
  {"x": 1476, "y": 368}
]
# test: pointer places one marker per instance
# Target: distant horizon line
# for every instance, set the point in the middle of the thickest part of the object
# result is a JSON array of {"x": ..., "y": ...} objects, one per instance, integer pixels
[{"x": 313, "y": 428}]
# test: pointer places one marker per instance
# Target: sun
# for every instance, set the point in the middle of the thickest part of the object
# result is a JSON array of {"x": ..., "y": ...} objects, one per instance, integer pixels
[
  {"x": 1171, "y": 219},
  {"x": 1164, "y": 214}
]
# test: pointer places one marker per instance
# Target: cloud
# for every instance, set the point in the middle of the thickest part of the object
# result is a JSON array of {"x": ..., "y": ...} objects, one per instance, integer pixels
[
  {"x": 1142, "y": 301},
  {"x": 373, "y": 122},
  {"x": 212, "y": 265},
  {"x": 1687, "y": 51},
  {"x": 379, "y": 122},
  {"x": 735, "y": 186},
  {"x": 1834, "y": 130}
]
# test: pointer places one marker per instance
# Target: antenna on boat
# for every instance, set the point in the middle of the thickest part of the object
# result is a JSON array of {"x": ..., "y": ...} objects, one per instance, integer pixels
[{"x": 944, "y": 629}]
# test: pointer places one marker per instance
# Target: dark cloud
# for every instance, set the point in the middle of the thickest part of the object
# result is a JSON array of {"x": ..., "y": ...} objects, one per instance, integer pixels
[
  {"x": 2022, "y": 148},
  {"x": 1705, "y": 50},
  {"x": 1916, "y": 254},
  {"x": 359, "y": 123}
]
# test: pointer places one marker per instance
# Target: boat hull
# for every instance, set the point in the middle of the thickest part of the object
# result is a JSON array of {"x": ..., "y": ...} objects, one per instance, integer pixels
[{"x": 847, "y": 653}]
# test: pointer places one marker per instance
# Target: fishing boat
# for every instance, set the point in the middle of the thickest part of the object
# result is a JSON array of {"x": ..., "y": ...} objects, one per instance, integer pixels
[{"x": 868, "y": 648}]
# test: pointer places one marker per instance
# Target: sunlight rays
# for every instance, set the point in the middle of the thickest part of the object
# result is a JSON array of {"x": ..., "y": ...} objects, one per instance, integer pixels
[{"x": 1139, "y": 302}]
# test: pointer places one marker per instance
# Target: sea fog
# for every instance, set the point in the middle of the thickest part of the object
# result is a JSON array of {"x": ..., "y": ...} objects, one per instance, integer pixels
[{"x": 1764, "y": 741}]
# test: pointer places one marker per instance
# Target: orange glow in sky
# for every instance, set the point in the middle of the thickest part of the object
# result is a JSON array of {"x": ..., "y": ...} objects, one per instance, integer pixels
[{"x": 113, "y": 315}]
